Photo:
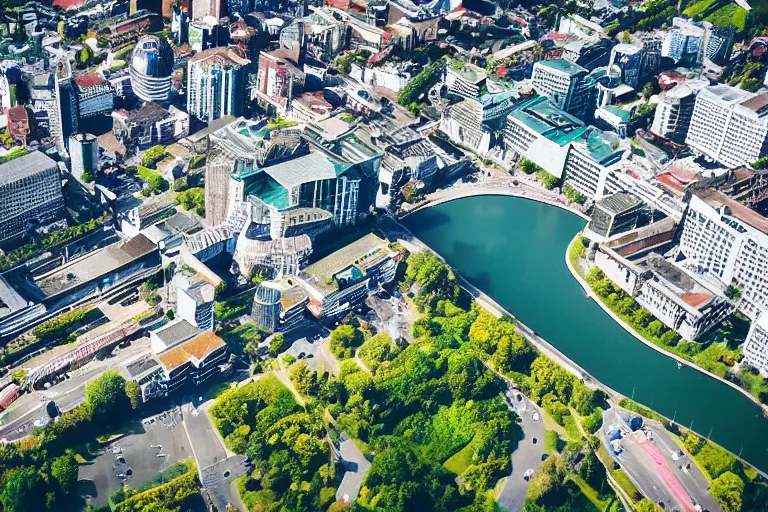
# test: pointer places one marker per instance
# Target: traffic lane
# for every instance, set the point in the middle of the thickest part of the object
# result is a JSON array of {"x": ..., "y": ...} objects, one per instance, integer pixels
[
  {"x": 686, "y": 470},
  {"x": 527, "y": 456},
  {"x": 639, "y": 467},
  {"x": 207, "y": 447}
]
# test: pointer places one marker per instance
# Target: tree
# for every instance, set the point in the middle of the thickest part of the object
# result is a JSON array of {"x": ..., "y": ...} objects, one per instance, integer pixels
[
  {"x": 648, "y": 90},
  {"x": 655, "y": 328},
  {"x": 646, "y": 505},
  {"x": 21, "y": 490},
  {"x": 88, "y": 176},
  {"x": 192, "y": 198},
  {"x": 133, "y": 392},
  {"x": 105, "y": 396},
  {"x": 85, "y": 57},
  {"x": 751, "y": 84},
  {"x": 276, "y": 345},
  {"x": 670, "y": 338},
  {"x": 344, "y": 339},
  {"x": 727, "y": 490},
  {"x": 641, "y": 317},
  {"x": 152, "y": 156},
  {"x": 64, "y": 471}
]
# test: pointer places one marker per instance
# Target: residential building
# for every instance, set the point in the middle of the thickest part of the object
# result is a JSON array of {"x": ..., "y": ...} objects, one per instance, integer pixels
[
  {"x": 674, "y": 113},
  {"x": 216, "y": 84},
  {"x": 630, "y": 59},
  {"x": 151, "y": 67},
  {"x": 464, "y": 79},
  {"x": 756, "y": 344},
  {"x": 730, "y": 125},
  {"x": 568, "y": 85},
  {"x": 83, "y": 154},
  {"x": 54, "y": 103},
  {"x": 541, "y": 132},
  {"x": 94, "y": 95},
  {"x": 692, "y": 43},
  {"x": 30, "y": 192},
  {"x": 727, "y": 243}
]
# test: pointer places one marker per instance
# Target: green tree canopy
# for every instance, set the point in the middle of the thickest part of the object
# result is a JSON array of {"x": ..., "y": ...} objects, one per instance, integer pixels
[
  {"x": 106, "y": 396},
  {"x": 727, "y": 490},
  {"x": 64, "y": 470},
  {"x": 21, "y": 490}
]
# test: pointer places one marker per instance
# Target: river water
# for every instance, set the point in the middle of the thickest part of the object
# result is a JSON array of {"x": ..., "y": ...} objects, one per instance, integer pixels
[{"x": 514, "y": 250}]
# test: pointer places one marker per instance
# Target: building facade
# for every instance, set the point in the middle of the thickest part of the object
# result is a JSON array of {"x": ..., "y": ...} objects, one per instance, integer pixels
[
  {"x": 151, "y": 68},
  {"x": 30, "y": 192},
  {"x": 674, "y": 113},
  {"x": 756, "y": 344},
  {"x": 730, "y": 125},
  {"x": 84, "y": 154},
  {"x": 216, "y": 84},
  {"x": 568, "y": 85}
]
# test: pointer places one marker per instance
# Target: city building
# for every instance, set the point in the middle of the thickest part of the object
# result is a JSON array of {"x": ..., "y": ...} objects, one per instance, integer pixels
[
  {"x": 216, "y": 84},
  {"x": 206, "y": 33},
  {"x": 53, "y": 101},
  {"x": 94, "y": 95},
  {"x": 464, "y": 79},
  {"x": 150, "y": 69},
  {"x": 756, "y": 344},
  {"x": 194, "y": 302},
  {"x": 568, "y": 85},
  {"x": 541, "y": 132},
  {"x": 266, "y": 308},
  {"x": 32, "y": 297},
  {"x": 83, "y": 154},
  {"x": 690, "y": 44},
  {"x": 730, "y": 125},
  {"x": 589, "y": 163},
  {"x": 613, "y": 215},
  {"x": 30, "y": 192},
  {"x": 278, "y": 81},
  {"x": 727, "y": 243},
  {"x": 477, "y": 123},
  {"x": 206, "y": 8},
  {"x": 630, "y": 59},
  {"x": 342, "y": 280},
  {"x": 674, "y": 113},
  {"x": 149, "y": 125},
  {"x": 192, "y": 362},
  {"x": 18, "y": 124}
]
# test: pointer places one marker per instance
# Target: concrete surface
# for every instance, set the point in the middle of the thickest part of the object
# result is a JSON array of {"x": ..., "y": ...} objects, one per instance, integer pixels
[{"x": 356, "y": 467}]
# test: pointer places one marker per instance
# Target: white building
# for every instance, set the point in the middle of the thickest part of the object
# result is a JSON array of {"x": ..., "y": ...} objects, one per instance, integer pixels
[
  {"x": 194, "y": 302},
  {"x": 727, "y": 243},
  {"x": 590, "y": 160},
  {"x": 730, "y": 125},
  {"x": 673, "y": 113},
  {"x": 756, "y": 344},
  {"x": 476, "y": 124}
]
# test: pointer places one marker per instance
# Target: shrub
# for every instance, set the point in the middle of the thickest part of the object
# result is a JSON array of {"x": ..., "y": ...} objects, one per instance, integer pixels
[
  {"x": 152, "y": 156},
  {"x": 548, "y": 180},
  {"x": 155, "y": 182},
  {"x": 592, "y": 422}
]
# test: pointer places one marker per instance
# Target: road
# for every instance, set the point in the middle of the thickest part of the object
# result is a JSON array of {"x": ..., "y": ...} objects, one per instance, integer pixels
[
  {"x": 18, "y": 420},
  {"x": 528, "y": 454},
  {"x": 331, "y": 363},
  {"x": 356, "y": 467}
]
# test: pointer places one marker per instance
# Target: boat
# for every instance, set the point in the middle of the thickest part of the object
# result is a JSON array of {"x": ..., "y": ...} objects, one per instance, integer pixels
[{"x": 679, "y": 365}]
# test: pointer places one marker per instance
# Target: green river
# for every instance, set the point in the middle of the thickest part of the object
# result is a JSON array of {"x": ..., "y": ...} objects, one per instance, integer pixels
[{"x": 514, "y": 250}]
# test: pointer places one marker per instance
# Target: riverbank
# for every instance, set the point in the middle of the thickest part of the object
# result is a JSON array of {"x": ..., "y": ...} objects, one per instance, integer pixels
[{"x": 680, "y": 360}]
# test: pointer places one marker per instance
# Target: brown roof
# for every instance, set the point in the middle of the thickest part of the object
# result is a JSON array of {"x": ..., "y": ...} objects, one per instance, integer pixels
[
  {"x": 196, "y": 349},
  {"x": 717, "y": 200},
  {"x": 89, "y": 79},
  {"x": 219, "y": 56},
  {"x": 757, "y": 103},
  {"x": 696, "y": 300}
]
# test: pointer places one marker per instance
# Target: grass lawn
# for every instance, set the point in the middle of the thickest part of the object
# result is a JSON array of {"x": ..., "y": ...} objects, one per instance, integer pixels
[
  {"x": 730, "y": 14},
  {"x": 699, "y": 7},
  {"x": 591, "y": 494},
  {"x": 626, "y": 484},
  {"x": 460, "y": 460}
]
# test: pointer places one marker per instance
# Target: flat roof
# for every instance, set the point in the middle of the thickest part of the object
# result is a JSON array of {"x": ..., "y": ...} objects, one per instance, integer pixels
[
  {"x": 619, "y": 202},
  {"x": 95, "y": 264},
  {"x": 562, "y": 66},
  {"x": 194, "y": 350},
  {"x": 176, "y": 332},
  {"x": 24, "y": 166},
  {"x": 325, "y": 269},
  {"x": 718, "y": 200},
  {"x": 304, "y": 169}
]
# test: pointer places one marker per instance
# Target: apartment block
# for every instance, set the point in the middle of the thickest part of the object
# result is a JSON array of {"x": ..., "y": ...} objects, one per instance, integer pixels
[
  {"x": 568, "y": 85},
  {"x": 730, "y": 125}
]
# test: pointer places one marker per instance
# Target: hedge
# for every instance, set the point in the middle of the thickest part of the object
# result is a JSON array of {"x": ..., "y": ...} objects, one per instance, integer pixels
[{"x": 170, "y": 495}]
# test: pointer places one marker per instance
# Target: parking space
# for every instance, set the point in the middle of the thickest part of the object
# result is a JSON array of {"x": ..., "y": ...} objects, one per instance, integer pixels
[{"x": 136, "y": 458}]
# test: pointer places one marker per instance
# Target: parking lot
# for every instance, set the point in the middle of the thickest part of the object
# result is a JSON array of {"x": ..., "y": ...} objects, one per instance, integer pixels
[{"x": 136, "y": 458}]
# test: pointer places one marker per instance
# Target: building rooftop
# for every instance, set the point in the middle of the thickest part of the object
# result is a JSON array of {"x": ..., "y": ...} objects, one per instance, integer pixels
[
  {"x": 220, "y": 57},
  {"x": 89, "y": 80},
  {"x": 619, "y": 203},
  {"x": 24, "y": 166},
  {"x": 684, "y": 285},
  {"x": 562, "y": 66},
  {"x": 141, "y": 366},
  {"x": 304, "y": 169},
  {"x": 728, "y": 206},
  {"x": 542, "y": 116},
  {"x": 322, "y": 273},
  {"x": 94, "y": 265},
  {"x": 194, "y": 350},
  {"x": 605, "y": 148},
  {"x": 176, "y": 332}
]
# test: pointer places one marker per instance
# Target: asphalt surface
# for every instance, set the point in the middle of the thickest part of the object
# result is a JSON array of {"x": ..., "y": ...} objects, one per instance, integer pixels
[
  {"x": 356, "y": 467},
  {"x": 206, "y": 444},
  {"x": 528, "y": 454},
  {"x": 19, "y": 419},
  {"x": 100, "y": 479}
]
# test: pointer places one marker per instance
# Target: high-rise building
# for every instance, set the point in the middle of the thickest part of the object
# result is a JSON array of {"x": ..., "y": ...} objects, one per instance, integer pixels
[
  {"x": 194, "y": 302},
  {"x": 266, "y": 308},
  {"x": 730, "y": 125},
  {"x": 727, "y": 243},
  {"x": 756, "y": 344},
  {"x": 589, "y": 163},
  {"x": 151, "y": 68},
  {"x": 216, "y": 84},
  {"x": 692, "y": 42},
  {"x": 54, "y": 102},
  {"x": 673, "y": 113},
  {"x": 568, "y": 85},
  {"x": 84, "y": 154},
  {"x": 630, "y": 59},
  {"x": 95, "y": 95},
  {"x": 30, "y": 192}
]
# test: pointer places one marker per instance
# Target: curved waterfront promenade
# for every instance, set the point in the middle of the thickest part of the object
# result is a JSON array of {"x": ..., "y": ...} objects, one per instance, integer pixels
[{"x": 588, "y": 290}]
